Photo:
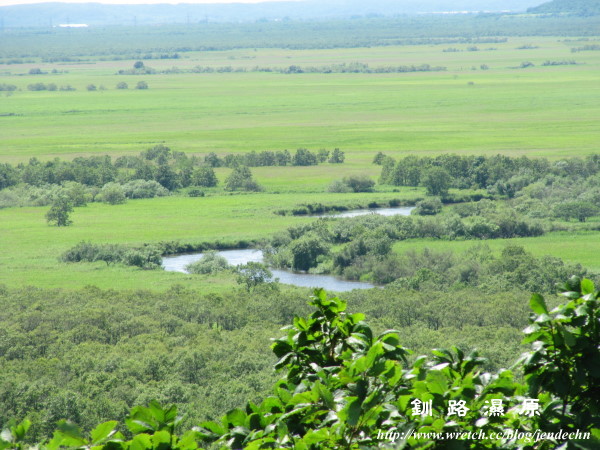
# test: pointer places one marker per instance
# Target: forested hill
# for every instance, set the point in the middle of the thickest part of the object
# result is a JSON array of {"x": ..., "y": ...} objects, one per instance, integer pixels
[
  {"x": 52, "y": 14},
  {"x": 577, "y": 7}
]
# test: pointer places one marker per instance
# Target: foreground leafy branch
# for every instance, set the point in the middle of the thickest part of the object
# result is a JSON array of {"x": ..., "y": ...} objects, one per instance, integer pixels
[{"x": 345, "y": 388}]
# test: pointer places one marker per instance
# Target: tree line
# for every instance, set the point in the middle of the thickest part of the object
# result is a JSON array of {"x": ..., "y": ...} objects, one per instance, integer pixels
[
  {"x": 171, "y": 169},
  {"x": 156, "y": 171},
  {"x": 266, "y": 158}
]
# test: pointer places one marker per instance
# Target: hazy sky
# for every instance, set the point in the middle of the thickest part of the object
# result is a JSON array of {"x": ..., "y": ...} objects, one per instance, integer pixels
[{"x": 130, "y": 2}]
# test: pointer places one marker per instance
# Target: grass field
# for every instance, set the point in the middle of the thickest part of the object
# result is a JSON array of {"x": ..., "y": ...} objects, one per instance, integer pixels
[
  {"x": 577, "y": 248},
  {"x": 30, "y": 247},
  {"x": 550, "y": 111},
  {"x": 540, "y": 111}
]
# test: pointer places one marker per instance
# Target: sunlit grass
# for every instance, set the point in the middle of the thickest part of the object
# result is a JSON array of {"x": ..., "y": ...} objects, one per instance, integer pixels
[{"x": 541, "y": 111}]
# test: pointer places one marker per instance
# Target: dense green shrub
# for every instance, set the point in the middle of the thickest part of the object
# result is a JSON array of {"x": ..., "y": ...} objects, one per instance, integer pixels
[
  {"x": 195, "y": 192},
  {"x": 204, "y": 176},
  {"x": 144, "y": 189},
  {"x": 241, "y": 179},
  {"x": 345, "y": 387},
  {"x": 7, "y": 87},
  {"x": 342, "y": 385},
  {"x": 338, "y": 186},
  {"x": 580, "y": 210},
  {"x": 359, "y": 183},
  {"x": 437, "y": 181},
  {"x": 148, "y": 257},
  {"x": 304, "y": 157},
  {"x": 210, "y": 263},
  {"x": 428, "y": 207},
  {"x": 254, "y": 274},
  {"x": 113, "y": 193},
  {"x": 337, "y": 156}
]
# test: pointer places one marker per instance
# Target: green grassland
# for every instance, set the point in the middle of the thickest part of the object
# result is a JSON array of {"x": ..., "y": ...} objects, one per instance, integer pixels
[
  {"x": 30, "y": 248},
  {"x": 550, "y": 111},
  {"x": 540, "y": 111},
  {"x": 579, "y": 247}
]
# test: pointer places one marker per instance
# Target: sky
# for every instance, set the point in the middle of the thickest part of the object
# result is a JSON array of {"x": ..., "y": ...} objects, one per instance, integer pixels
[{"x": 130, "y": 2}]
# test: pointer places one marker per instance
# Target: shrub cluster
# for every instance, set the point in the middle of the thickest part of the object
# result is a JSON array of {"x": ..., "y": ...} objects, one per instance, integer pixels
[
  {"x": 352, "y": 183},
  {"x": 361, "y": 247},
  {"x": 210, "y": 263},
  {"x": 146, "y": 257},
  {"x": 241, "y": 179}
]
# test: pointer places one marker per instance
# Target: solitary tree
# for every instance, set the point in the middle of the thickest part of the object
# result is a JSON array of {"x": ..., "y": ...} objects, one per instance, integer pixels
[
  {"x": 59, "y": 212},
  {"x": 241, "y": 180},
  {"x": 254, "y": 274},
  {"x": 337, "y": 157}
]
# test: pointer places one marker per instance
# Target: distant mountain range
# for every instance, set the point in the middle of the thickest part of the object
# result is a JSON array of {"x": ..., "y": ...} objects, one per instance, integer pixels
[
  {"x": 96, "y": 14},
  {"x": 576, "y": 7}
]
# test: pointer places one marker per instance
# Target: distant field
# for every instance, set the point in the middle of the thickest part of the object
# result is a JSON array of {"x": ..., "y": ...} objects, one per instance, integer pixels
[{"x": 539, "y": 111}]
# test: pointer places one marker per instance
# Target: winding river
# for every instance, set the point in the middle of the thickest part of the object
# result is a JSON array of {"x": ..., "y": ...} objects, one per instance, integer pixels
[
  {"x": 328, "y": 282},
  {"x": 235, "y": 257}
]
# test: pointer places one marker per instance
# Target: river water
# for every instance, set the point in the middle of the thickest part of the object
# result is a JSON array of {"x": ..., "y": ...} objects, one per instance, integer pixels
[
  {"x": 328, "y": 282},
  {"x": 402, "y": 211},
  {"x": 235, "y": 257}
]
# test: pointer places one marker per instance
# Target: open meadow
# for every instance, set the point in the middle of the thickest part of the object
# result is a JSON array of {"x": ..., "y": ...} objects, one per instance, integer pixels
[
  {"x": 491, "y": 98},
  {"x": 485, "y": 102}
]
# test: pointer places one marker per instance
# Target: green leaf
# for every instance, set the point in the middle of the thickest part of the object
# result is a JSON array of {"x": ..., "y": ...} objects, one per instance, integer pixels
[
  {"x": 353, "y": 410},
  {"x": 236, "y": 417},
  {"x": 161, "y": 440},
  {"x": 214, "y": 428},
  {"x": 19, "y": 431},
  {"x": 188, "y": 441},
  {"x": 138, "y": 426},
  {"x": 538, "y": 304},
  {"x": 313, "y": 437},
  {"x": 69, "y": 435},
  {"x": 587, "y": 286},
  {"x": 141, "y": 442},
  {"x": 103, "y": 432},
  {"x": 325, "y": 395}
]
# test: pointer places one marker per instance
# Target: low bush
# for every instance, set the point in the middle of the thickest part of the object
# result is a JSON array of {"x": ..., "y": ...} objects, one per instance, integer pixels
[
  {"x": 428, "y": 207},
  {"x": 210, "y": 263},
  {"x": 113, "y": 193},
  {"x": 147, "y": 257},
  {"x": 144, "y": 189}
]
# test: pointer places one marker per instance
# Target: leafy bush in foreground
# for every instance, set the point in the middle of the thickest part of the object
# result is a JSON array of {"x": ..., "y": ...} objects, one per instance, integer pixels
[{"x": 344, "y": 387}]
